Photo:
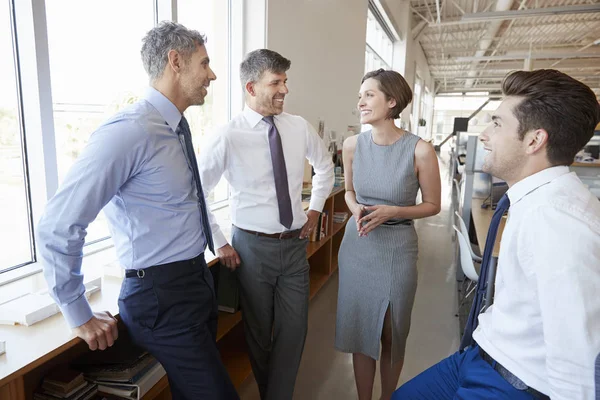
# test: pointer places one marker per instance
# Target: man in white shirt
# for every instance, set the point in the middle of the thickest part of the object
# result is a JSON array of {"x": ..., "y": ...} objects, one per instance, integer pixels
[
  {"x": 541, "y": 336},
  {"x": 261, "y": 153}
]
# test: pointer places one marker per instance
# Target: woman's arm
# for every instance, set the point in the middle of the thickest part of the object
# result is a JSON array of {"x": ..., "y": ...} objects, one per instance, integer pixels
[{"x": 350, "y": 196}]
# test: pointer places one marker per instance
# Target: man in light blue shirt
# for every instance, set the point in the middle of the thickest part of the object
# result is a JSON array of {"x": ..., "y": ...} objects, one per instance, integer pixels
[{"x": 140, "y": 167}]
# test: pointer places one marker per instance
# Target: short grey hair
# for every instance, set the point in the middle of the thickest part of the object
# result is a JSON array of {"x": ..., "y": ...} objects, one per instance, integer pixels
[
  {"x": 161, "y": 39},
  {"x": 258, "y": 61}
]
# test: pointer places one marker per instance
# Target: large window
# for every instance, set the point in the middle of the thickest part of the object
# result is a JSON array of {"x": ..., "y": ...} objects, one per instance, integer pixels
[
  {"x": 86, "y": 55},
  {"x": 448, "y": 107},
  {"x": 210, "y": 17},
  {"x": 380, "y": 46},
  {"x": 95, "y": 69},
  {"x": 379, "y": 51},
  {"x": 14, "y": 213}
]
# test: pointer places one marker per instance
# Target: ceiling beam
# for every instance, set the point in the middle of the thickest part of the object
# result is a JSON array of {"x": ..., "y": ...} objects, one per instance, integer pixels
[
  {"x": 472, "y": 18},
  {"x": 531, "y": 12},
  {"x": 524, "y": 56}
]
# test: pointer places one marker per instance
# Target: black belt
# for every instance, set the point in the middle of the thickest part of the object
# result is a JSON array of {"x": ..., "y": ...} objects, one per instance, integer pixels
[
  {"x": 510, "y": 377},
  {"x": 398, "y": 222},
  {"x": 141, "y": 273}
]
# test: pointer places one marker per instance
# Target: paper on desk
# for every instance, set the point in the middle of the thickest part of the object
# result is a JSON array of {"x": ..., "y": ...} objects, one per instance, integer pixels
[{"x": 35, "y": 307}]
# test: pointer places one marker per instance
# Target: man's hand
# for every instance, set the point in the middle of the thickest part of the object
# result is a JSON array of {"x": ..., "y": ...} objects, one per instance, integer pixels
[
  {"x": 228, "y": 257},
  {"x": 310, "y": 225},
  {"x": 99, "y": 332}
]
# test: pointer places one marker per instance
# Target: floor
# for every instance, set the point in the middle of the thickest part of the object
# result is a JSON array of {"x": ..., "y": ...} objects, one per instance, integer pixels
[{"x": 326, "y": 374}]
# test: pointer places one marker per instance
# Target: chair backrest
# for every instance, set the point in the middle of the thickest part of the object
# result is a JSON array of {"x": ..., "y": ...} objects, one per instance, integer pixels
[
  {"x": 462, "y": 225},
  {"x": 466, "y": 261},
  {"x": 465, "y": 232},
  {"x": 456, "y": 204}
]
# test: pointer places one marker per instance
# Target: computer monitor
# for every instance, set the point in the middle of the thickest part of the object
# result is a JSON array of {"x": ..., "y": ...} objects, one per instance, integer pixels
[{"x": 460, "y": 124}]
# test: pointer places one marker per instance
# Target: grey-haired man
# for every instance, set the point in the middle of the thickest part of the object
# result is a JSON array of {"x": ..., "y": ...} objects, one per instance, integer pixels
[{"x": 140, "y": 167}]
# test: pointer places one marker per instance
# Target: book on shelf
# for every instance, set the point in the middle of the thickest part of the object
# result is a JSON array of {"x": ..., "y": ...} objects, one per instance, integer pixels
[
  {"x": 340, "y": 217},
  {"x": 122, "y": 362},
  {"x": 228, "y": 291},
  {"x": 122, "y": 371},
  {"x": 322, "y": 228},
  {"x": 85, "y": 391},
  {"x": 136, "y": 389},
  {"x": 63, "y": 381}
]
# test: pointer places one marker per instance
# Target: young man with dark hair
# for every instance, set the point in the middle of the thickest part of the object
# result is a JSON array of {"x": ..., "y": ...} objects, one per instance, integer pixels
[{"x": 541, "y": 336}]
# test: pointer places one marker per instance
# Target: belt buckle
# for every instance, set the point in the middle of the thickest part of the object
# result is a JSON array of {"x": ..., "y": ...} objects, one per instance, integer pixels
[
  {"x": 140, "y": 273},
  {"x": 281, "y": 235}
]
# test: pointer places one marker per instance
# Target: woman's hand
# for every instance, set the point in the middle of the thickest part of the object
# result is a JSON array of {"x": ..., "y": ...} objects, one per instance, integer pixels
[
  {"x": 376, "y": 216},
  {"x": 358, "y": 211}
]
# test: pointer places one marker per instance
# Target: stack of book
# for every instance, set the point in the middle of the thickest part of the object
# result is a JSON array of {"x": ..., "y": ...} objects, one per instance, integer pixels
[
  {"x": 67, "y": 384},
  {"x": 340, "y": 217},
  {"x": 322, "y": 229},
  {"x": 123, "y": 371}
]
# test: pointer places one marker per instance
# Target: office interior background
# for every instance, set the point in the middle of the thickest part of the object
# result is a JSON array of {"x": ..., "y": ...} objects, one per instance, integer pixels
[{"x": 67, "y": 65}]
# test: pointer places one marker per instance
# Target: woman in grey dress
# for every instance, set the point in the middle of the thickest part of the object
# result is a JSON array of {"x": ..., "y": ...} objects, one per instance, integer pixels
[{"x": 384, "y": 169}]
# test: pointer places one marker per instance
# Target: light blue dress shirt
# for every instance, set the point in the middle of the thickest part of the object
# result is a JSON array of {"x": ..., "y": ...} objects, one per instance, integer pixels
[{"x": 134, "y": 166}]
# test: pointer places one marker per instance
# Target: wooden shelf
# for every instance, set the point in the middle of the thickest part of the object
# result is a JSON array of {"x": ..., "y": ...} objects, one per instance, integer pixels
[
  {"x": 323, "y": 259},
  {"x": 313, "y": 247},
  {"x": 338, "y": 227},
  {"x": 234, "y": 354},
  {"x": 160, "y": 391},
  {"x": 227, "y": 322},
  {"x": 317, "y": 281}
]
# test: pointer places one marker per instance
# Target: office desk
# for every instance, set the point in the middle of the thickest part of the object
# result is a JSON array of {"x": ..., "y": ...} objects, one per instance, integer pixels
[{"x": 482, "y": 217}]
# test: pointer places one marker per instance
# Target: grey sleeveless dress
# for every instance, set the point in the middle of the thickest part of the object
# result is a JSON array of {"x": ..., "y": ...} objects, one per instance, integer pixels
[{"x": 379, "y": 270}]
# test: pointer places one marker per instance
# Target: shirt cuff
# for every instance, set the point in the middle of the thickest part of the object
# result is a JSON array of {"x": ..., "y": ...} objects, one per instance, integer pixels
[
  {"x": 219, "y": 240},
  {"x": 78, "y": 312},
  {"x": 317, "y": 203}
]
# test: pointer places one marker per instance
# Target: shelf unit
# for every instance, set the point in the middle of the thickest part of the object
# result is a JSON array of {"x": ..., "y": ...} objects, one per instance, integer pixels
[{"x": 323, "y": 260}]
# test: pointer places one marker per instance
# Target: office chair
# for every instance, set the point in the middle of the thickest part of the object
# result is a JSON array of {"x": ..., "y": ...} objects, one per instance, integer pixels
[
  {"x": 465, "y": 232},
  {"x": 466, "y": 263}
]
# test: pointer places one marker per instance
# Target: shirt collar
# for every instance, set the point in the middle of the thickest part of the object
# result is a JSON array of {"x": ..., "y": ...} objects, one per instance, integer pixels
[
  {"x": 253, "y": 117},
  {"x": 532, "y": 182},
  {"x": 166, "y": 109}
]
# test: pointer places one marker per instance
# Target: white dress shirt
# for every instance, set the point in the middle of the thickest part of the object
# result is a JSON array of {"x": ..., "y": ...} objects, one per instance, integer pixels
[
  {"x": 240, "y": 152},
  {"x": 544, "y": 325}
]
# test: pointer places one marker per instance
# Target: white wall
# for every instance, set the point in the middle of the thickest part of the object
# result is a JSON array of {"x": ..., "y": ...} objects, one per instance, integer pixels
[{"x": 325, "y": 40}]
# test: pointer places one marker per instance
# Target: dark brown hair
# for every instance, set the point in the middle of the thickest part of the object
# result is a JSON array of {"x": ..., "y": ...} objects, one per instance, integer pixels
[
  {"x": 394, "y": 86},
  {"x": 564, "y": 107}
]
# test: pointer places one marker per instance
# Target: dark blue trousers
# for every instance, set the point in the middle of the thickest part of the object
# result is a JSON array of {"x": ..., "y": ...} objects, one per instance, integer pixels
[
  {"x": 172, "y": 312},
  {"x": 462, "y": 376}
]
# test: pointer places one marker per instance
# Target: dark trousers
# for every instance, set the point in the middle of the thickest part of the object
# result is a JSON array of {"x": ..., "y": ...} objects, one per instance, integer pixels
[
  {"x": 274, "y": 290},
  {"x": 462, "y": 376},
  {"x": 172, "y": 312}
]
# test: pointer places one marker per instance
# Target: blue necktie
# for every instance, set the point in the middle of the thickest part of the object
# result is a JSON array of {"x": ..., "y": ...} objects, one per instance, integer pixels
[
  {"x": 280, "y": 175},
  {"x": 501, "y": 207},
  {"x": 184, "y": 130}
]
